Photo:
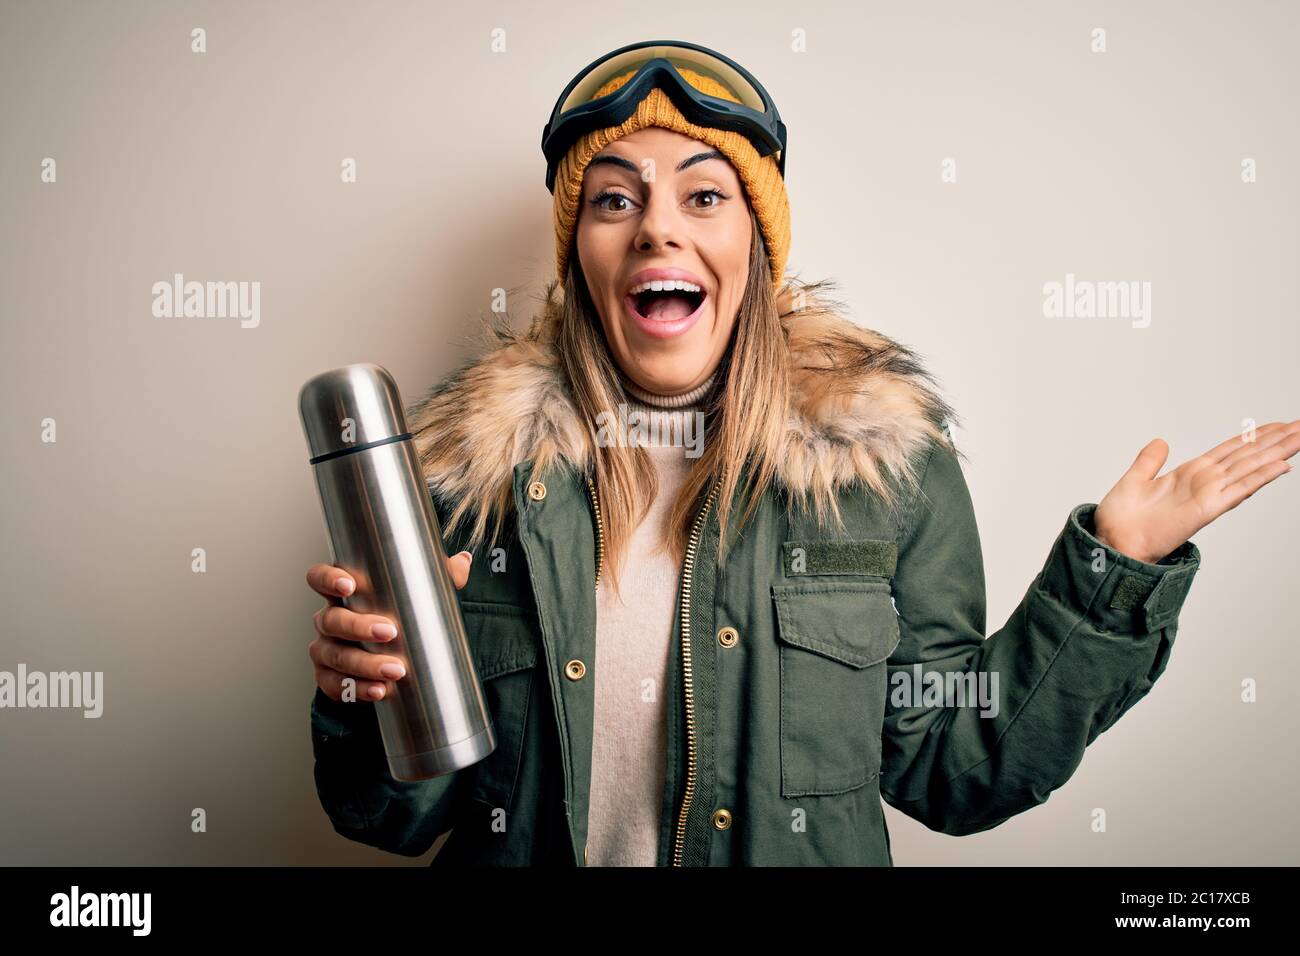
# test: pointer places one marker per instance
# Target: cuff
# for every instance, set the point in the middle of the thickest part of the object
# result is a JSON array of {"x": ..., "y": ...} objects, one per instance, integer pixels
[
  {"x": 1117, "y": 592},
  {"x": 338, "y": 719}
]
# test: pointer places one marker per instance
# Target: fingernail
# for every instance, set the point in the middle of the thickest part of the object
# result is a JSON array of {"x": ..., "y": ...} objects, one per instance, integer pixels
[
  {"x": 392, "y": 671},
  {"x": 376, "y": 692},
  {"x": 345, "y": 585},
  {"x": 383, "y": 631}
]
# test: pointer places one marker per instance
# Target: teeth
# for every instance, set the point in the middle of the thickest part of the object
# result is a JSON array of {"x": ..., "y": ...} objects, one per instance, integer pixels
[{"x": 664, "y": 285}]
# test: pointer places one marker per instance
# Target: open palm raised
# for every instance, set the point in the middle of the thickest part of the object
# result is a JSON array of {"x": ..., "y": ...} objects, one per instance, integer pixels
[{"x": 1147, "y": 517}]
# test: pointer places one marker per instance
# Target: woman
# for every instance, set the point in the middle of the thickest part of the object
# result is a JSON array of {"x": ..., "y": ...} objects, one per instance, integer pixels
[{"x": 724, "y": 646}]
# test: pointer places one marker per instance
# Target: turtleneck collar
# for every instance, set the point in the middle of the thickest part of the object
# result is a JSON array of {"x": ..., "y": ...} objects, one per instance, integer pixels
[{"x": 685, "y": 400}]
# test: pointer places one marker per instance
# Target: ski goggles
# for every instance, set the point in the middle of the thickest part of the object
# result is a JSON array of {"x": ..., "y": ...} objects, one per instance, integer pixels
[{"x": 655, "y": 62}]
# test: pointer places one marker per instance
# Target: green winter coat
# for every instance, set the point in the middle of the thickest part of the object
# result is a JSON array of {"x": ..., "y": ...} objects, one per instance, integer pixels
[{"x": 792, "y": 663}]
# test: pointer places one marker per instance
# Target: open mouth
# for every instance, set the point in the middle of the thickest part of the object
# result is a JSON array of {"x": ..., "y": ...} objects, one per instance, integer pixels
[{"x": 672, "y": 301}]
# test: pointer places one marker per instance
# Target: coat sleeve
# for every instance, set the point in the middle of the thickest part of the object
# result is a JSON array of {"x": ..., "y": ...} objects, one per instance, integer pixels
[
  {"x": 1086, "y": 643},
  {"x": 363, "y": 800}
]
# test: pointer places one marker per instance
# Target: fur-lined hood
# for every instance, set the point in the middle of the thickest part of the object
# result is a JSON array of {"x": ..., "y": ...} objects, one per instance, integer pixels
[{"x": 862, "y": 407}]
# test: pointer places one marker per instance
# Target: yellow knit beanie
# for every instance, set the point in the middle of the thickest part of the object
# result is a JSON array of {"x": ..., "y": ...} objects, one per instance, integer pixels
[{"x": 759, "y": 174}]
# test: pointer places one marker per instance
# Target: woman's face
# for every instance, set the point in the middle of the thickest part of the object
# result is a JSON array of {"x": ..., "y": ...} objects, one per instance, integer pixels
[{"x": 658, "y": 205}]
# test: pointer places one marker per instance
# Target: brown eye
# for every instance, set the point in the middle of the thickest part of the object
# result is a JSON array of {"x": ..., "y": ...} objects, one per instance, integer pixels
[
  {"x": 600, "y": 201},
  {"x": 717, "y": 198}
]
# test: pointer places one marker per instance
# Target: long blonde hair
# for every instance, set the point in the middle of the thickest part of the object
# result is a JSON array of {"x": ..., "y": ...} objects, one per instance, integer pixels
[{"x": 737, "y": 428}]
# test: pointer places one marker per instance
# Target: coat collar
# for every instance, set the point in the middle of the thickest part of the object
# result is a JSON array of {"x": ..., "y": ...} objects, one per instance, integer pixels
[{"x": 863, "y": 407}]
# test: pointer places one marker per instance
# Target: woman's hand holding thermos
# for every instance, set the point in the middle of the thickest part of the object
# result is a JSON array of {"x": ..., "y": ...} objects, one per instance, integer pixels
[
  {"x": 334, "y": 651},
  {"x": 388, "y": 565}
]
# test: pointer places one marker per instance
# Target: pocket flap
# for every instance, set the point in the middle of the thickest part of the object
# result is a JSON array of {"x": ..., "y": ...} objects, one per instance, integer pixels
[
  {"x": 500, "y": 637},
  {"x": 851, "y": 622}
]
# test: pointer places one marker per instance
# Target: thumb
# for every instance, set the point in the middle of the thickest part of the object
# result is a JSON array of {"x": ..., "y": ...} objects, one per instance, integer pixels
[
  {"x": 458, "y": 564},
  {"x": 1150, "y": 460}
]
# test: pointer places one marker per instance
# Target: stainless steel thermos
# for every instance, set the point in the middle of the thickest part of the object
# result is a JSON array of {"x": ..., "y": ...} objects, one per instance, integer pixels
[{"x": 383, "y": 531}]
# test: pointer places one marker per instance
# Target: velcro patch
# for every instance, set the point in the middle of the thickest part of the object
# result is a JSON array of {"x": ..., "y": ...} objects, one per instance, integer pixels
[
  {"x": 1132, "y": 591},
  {"x": 864, "y": 556},
  {"x": 1159, "y": 598}
]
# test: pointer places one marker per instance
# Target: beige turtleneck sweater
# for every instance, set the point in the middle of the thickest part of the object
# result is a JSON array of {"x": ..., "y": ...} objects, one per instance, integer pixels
[{"x": 633, "y": 647}]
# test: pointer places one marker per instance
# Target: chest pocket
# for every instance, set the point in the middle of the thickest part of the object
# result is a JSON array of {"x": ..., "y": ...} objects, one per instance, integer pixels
[
  {"x": 834, "y": 640},
  {"x": 505, "y": 652}
]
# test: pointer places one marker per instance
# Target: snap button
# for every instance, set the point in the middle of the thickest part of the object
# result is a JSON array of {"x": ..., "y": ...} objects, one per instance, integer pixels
[
  {"x": 721, "y": 818},
  {"x": 537, "y": 491},
  {"x": 575, "y": 669},
  {"x": 728, "y": 636}
]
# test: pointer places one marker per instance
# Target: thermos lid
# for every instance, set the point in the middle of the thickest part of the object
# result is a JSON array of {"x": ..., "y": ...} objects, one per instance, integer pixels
[{"x": 350, "y": 408}]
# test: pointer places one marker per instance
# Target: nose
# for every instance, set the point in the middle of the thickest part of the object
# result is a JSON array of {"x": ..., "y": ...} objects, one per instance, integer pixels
[{"x": 661, "y": 223}]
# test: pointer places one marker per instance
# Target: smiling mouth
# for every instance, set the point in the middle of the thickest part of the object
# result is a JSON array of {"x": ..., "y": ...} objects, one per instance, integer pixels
[{"x": 670, "y": 305}]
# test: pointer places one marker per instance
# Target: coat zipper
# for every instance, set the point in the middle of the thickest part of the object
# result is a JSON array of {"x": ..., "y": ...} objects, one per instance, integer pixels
[
  {"x": 600, "y": 530},
  {"x": 688, "y": 574}
]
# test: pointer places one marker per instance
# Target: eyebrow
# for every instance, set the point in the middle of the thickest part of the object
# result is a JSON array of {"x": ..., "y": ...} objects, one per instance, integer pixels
[{"x": 622, "y": 163}]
